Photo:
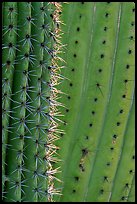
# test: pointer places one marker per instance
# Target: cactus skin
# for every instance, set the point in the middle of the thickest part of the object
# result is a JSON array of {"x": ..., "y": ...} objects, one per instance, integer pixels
[
  {"x": 98, "y": 87},
  {"x": 100, "y": 66},
  {"x": 28, "y": 174},
  {"x": 8, "y": 62},
  {"x": 123, "y": 179},
  {"x": 131, "y": 195}
]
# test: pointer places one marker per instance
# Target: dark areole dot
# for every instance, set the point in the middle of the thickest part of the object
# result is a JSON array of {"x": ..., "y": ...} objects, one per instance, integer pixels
[
  {"x": 132, "y": 23},
  {"x": 114, "y": 136},
  {"x": 95, "y": 99},
  {"x": 75, "y": 55},
  {"x": 76, "y": 42},
  {"x": 74, "y": 191},
  {"x": 42, "y": 44},
  {"x": 67, "y": 110},
  {"x": 11, "y": 9},
  {"x": 93, "y": 112},
  {"x": 124, "y": 96},
  {"x": 105, "y": 178},
  {"x": 105, "y": 28},
  {"x": 101, "y": 191},
  {"x": 23, "y": 103},
  {"x": 126, "y": 185},
  {"x": 129, "y": 52},
  {"x": 43, "y": 26},
  {"x": 10, "y": 26},
  {"x": 86, "y": 137},
  {"x": 90, "y": 125},
  {"x": 65, "y": 123},
  {"x": 82, "y": 2},
  {"x": 131, "y": 171},
  {"x": 51, "y": 15},
  {"x": 29, "y": 18},
  {"x": 127, "y": 66},
  {"x": 21, "y": 136},
  {"x": 8, "y": 62},
  {"x": 133, "y": 157},
  {"x": 121, "y": 111},
  {"x": 131, "y": 37},
  {"x": 106, "y": 15},
  {"x": 80, "y": 16},
  {"x": 42, "y": 8},
  {"x": 73, "y": 70},
  {"x": 36, "y": 141},
  {"x": 111, "y": 148},
  {"x": 10, "y": 45},
  {"x": 69, "y": 97},
  {"x": 102, "y": 55},
  {"x": 41, "y": 62},
  {"x": 5, "y": 94},
  {"x": 118, "y": 123},
  {"x": 100, "y": 70},
  {"x": 125, "y": 80},
  {"x": 49, "y": 67},
  {"x": 26, "y": 55},
  {"x": 27, "y": 36},
  {"x": 71, "y": 84},
  {"x": 78, "y": 29},
  {"x": 108, "y": 164},
  {"x": 133, "y": 10},
  {"x": 6, "y": 80},
  {"x": 123, "y": 198},
  {"x": 61, "y": 134},
  {"x": 76, "y": 178},
  {"x": 104, "y": 42},
  {"x": 58, "y": 25}
]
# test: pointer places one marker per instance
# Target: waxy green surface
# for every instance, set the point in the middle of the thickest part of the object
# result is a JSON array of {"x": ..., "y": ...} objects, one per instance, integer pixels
[
  {"x": 98, "y": 101},
  {"x": 97, "y": 147}
]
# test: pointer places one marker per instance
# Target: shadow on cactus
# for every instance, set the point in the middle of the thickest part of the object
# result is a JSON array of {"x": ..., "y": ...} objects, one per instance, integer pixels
[{"x": 68, "y": 126}]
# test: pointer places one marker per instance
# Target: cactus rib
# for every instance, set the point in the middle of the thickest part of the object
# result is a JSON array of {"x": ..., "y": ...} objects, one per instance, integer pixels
[
  {"x": 68, "y": 102},
  {"x": 31, "y": 149},
  {"x": 98, "y": 127}
]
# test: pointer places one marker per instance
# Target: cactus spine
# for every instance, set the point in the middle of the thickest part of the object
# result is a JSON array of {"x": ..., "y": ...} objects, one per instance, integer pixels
[
  {"x": 95, "y": 155},
  {"x": 100, "y": 66},
  {"x": 31, "y": 34}
]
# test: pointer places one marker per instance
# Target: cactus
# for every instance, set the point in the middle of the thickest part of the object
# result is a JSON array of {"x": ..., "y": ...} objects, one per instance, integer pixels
[
  {"x": 68, "y": 102},
  {"x": 99, "y": 119},
  {"x": 31, "y": 34}
]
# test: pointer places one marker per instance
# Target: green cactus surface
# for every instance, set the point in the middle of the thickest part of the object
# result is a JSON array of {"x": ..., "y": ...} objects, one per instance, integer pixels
[
  {"x": 68, "y": 102},
  {"x": 30, "y": 51},
  {"x": 97, "y": 149}
]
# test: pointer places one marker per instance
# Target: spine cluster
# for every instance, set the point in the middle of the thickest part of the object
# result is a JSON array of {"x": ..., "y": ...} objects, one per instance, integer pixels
[
  {"x": 31, "y": 72},
  {"x": 54, "y": 121}
]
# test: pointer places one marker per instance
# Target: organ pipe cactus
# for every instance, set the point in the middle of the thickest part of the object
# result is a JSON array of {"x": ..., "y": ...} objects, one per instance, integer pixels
[
  {"x": 97, "y": 149},
  {"x": 68, "y": 102},
  {"x": 30, "y": 72}
]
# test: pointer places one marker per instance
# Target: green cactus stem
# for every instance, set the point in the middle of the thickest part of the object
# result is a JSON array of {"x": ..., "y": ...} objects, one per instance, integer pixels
[
  {"x": 30, "y": 47},
  {"x": 68, "y": 104},
  {"x": 100, "y": 67}
]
